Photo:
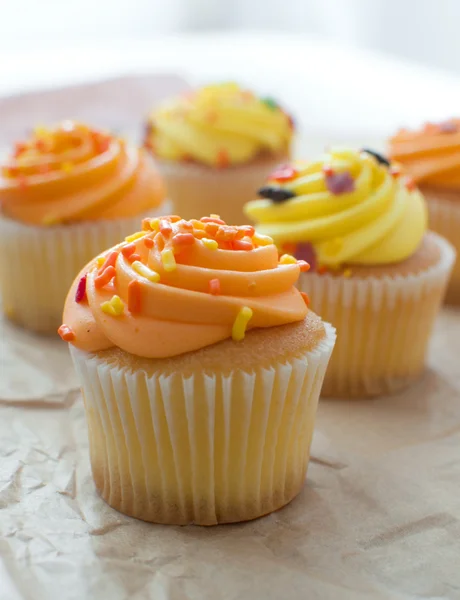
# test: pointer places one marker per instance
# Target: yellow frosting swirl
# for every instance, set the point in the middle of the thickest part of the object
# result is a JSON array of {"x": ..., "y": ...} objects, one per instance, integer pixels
[
  {"x": 219, "y": 126},
  {"x": 353, "y": 207}
]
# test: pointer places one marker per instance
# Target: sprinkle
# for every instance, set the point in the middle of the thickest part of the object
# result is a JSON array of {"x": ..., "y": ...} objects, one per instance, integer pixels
[
  {"x": 306, "y": 298},
  {"x": 134, "y": 236},
  {"x": 211, "y": 229},
  {"x": 100, "y": 261},
  {"x": 40, "y": 131},
  {"x": 240, "y": 323},
  {"x": 133, "y": 257},
  {"x": 242, "y": 245},
  {"x": 197, "y": 224},
  {"x": 213, "y": 219},
  {"x": 114, "y": 307},
  {"x": 210, "y": 244},
  {"x": 347, "y": 273},
  {"x": 159, "y": 241},
  {"x": 214, "y": 216},
  {"x": 328, "y": 170},
  {"x": 67, "y": 167},
  {"x": 410, "y": 184},
  {"x": 187, "y": 226},
  {"x": 168, "y": 260},
  {"x": 173, "y": 218},
  {"x": 340, "y": 183},
  {"x": 214, "y": 287},
  {"x": 378, "y": 157},
  {"x": 288, "y": 259},
  {"x": 145, "y": 271},
  {"x": 262, "y": 240},
  {"x": 248, "y": 230},
  {"x": 270, "y": 103},
  {"x": 304, "y": 266},
  {"x": 128, "y": 249},
  {"x": 322, "y": 270},
  {"x": 183, "y": 239},
  {"x": 102, "y": 143},
  {"x": 134, "y": 296},
  {"x": 148, "y": 242},
  {"x": 283, "y": 173},
  {"x": 146, "y": 224},
  {"x": 226, "y": 233},
  {"x": 110, "y": 261},
  {"x": 66, "y": 333},
  {"x": 165, "y": 227},
  {"x": 223, "y": 159},
  {"x": 395, "y": 171},
  {"x": 276, "y": 194},
  {"x": 80, "y": 294},
  {"x": 104, "y": 278},
  {"x": 19, "y": 148}
]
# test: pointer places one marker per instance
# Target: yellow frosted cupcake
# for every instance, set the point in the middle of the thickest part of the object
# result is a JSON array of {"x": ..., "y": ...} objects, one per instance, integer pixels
[
  {"x": 200, "y": 367},
  {"x": 66, "y": 194},
  {"x": 215, "y": 145},
  {"x": 432, "y": 157},
  {"x": 376, "y": 273}
]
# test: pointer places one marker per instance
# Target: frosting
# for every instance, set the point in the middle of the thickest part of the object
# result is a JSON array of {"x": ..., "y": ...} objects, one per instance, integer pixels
[
  {"x": 218, "y": 125},
  {"x": 177, "y": 286},
  {"x": 351, "y": 207},
  {"x": 431, "y": 155},
  {"x": 74, "y": 173}
]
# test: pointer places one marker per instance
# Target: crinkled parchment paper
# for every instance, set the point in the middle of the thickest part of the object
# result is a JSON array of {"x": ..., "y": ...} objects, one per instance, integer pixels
[{"x": 379, "y": 517}]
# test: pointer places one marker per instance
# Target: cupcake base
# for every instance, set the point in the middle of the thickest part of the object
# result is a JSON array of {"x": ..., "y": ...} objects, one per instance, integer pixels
[
  {"x": 38, "y": 265},
  {"x": 215, "y": 436},
  {"x": 444, "y": 218},
  {"x": 384, "y": 317},
  {"x": 200, "y": 190}
]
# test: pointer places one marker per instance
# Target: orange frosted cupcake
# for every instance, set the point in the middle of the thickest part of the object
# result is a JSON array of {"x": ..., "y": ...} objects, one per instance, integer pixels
[
  {"x": 376, "y": 273},
  {"x": 66, "y": 194},
  {"x": 432, "y": 156},
  {"x": 215, "y": 145},
  {"x": 200, "y": 367}
]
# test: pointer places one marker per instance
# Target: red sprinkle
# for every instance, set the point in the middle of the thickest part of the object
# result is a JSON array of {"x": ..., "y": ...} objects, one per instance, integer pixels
[
  {"x": 223, "y": 159},
  {"x": 134, "y": 296},
  {"x": 183, "y": 239},
  {"x": 105, "y": 277},
  {"x": 148, "y": 242},
  {"x": 283, "y": 173},
  {"x": 80, "y": 294},
  {"x": 128, "y": 249},
  {"x": 66, "y": 333},
  {"x": 395, "y": 171},
  {"x": 306, "y": 298},
  {"x": 322, "y": 269},
  {"x": 110, "y": 261},
  {"x": 165, "y": 227},
  {"x": 214, "y": 287},
  {"x": 242, "y": 245},
  {"x": 212, "y": 220},
  {"x": 133, "y": 257},
  {"x": 328, "y": 170},
  {"x": 304, "y": 266}
]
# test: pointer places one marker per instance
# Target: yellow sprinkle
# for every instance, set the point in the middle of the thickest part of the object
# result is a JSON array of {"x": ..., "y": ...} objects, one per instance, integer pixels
[
  {"x": 334, "y": 246},
  {"x": 210, "y": 244},
  {"x": 145, "y": 271},
  {"x": 214, "y": 216},
  {"x": 288, "y": 259},
  {"x": 262, "y": 240},
  {"x": 134, "y": 236},
  {"x": 168, "y": 260},
  {"x": 40, "y": 131},
  {"x": 100, "y": 260},
  {"x": 347, "y": 273},
  {"x": 197, "y": 224},
  {"x": 114, "y": 307},
  {"x": 240, "y": 324},
  {"x": 50, "y": 220},
  {"x": 67, "y": 167},
  {"x": 155, "y": 224}
]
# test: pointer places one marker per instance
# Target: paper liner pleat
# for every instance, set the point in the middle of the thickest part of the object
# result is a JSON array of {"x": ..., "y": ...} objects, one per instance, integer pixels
[
  {"x": 205, "y": 448},
  {"x": 383, "y": 325},
  {"x": 444, "y": 217},
  {"x": 39, "y": 264}
]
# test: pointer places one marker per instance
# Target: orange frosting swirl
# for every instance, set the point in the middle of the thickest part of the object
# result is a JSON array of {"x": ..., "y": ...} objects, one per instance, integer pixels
[
  {"x": 74, "y": 173},
  {"x": 431, "y": 155},
  {"x": 178, "y": 286}
]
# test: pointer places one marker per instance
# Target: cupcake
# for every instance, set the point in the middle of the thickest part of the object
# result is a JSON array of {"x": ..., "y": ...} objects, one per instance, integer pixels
[
  {"x": 432, "y": 157},
  {"x": 200, "y": 367},
  {"x": 66, "y": 194},
  {"x": 215, "y": 145},
  {"x": 376, "y": 273}
]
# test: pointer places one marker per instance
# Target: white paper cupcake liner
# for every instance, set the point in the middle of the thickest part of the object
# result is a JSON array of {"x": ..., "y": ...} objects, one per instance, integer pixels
[
  {"x": 207, "y": 448},
  {"x": 383, "y": 325},
  {"x": 444, "y": 218},
  {"x": 39, "y": 264}
]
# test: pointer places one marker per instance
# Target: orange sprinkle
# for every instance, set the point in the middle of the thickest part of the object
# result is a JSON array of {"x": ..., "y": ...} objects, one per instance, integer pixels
[
  {"x": 105, "y": 277},
  {"x": 160, "y": 241},
  {"x": 211, "y": 229},
  {"x": 66, "y": 333},
  {"x": 148, "y": 242},
  {"x": 225, "y": 245},
  {"x": 223, "y": 159},
  {"x": 146, "y": 224},
  {"x": 304, "y": 266},
  {"x": 128, "y": 249},
  {"x": 19, "y": 148},
  {"x": 226, "y": 233},
  {"x": 110, "y": 261},
  {"x": 248, "y": 230},
  {"x": 173, "y": 218},
  {"x": 41, "y": 145},
  {"x": 165, "y": 227},
  {"x": 134, "y": 296},
  {"x": 328, "y": 170},
  {"x": 133, "y": 257},
  {"x": 322, "y": 269},
  {"x": 199, "y": 234},
  {"x": 187, "y": 226},
  {"x": 212, "y": 220},
  {"x": 214, "y": 287},
  {"x": 242, "y": 245},
  {"x": 306, "y": 298},
  {"x": 183, "y": 239}
]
